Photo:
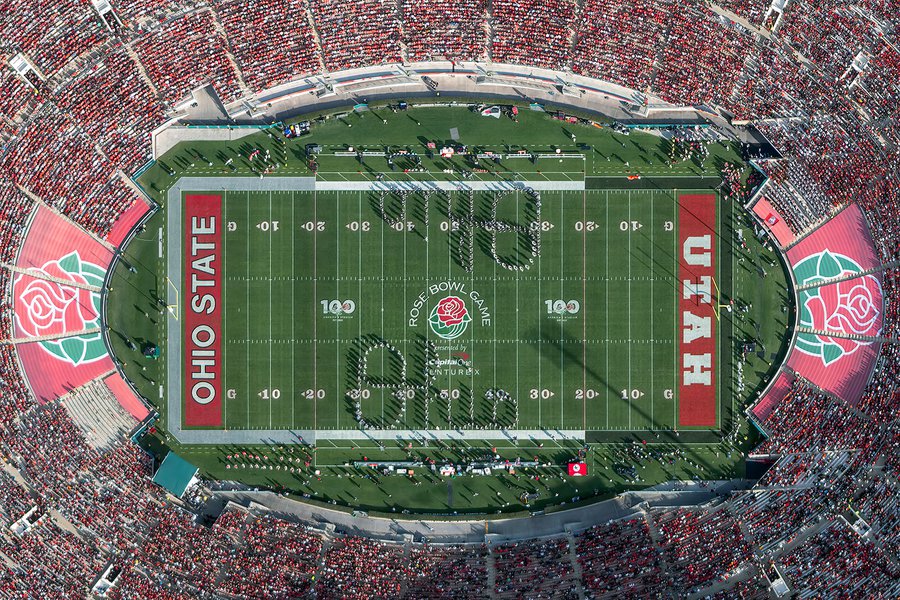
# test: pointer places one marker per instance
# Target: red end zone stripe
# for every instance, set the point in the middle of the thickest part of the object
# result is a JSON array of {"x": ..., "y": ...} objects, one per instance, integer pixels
[
  {"x": 697, "y": 268},
  {"x": 202, "y": 310}
]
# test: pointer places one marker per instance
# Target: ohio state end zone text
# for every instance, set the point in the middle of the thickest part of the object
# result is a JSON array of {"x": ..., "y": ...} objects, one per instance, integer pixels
[{"x": 575, "y": 310}]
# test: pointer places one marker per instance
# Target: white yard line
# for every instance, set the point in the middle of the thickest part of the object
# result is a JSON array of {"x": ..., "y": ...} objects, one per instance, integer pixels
[
  {"x": 381, "y": 331},
  {"x": 540, "y": 321},
  {"x": 472, "y": 334},
  {"x": 315, "y": 309},
  {"x": 249, "y": 392},
  {"x": 652, "y": 310},
  {"x": 583, "y": 311},
  {"x": 562, "y": 294},
  {"x": 293, "y": 338},
  {"x": 405, "y": 323},
  {"x": 471, "y": 329},
  {"x": 271, "y": 235},
  {"x": 337, "y": 324},
  {"x": 628, "y": 389},
  {"x": 606, "y": 308},
  {"x": 359, "y": 298},
  {"x": 518, "y": 397}
]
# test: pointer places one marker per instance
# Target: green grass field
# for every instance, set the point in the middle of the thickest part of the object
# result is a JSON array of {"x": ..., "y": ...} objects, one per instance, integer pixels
[
  {"x": 581, "y": 335},
  {"x": 566, "y": 369}
]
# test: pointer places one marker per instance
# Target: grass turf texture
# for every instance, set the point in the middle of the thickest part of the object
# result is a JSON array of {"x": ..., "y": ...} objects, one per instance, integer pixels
[
  {"x": 606, "y": 362},
  {"x": 135, "y": 293},
  {"x": 607, "y": 154}
]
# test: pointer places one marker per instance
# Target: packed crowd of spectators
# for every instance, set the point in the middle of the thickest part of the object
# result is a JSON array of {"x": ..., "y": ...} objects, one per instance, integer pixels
[
  {"x": 15, "y": 208},
  {"x": 447, "y": 572},
  {"x": 186, "y": 53},
  {"x": 754, "y": 587},
  {"x": 358, "y": 568},
  {"x": 890, "y": 287},
  {"x": 775, "y": 84},
  {"x": 357, "y": 33},
  {"x": 771, "y": 516},
  {"x": 809, "y": 421},
  {"x": 47, "y": 562},
  {"x": 434, "y": 30},
  {"x": 800, "y": 470},
  {"x": 828, "y": 33},
  {"x": 98, "y": 122},
  {"x": 619, "y": 41},
  {"x": 533, "y": 32},
  {"x": 752, "y": 10},
  {"x": 838, "y": 563},
  {"x": 882, "y": 208},
  {"x": 702, "y": 59},
  {"x": 703, "y": 545},
  {"x": 15, "y": 96},
  {"x": 15, "y": 501},
  {"x": 251, "y": 27},
  {"x": 879, "y": 504},
  {"x": 879, "y": 88},
  {"x": 116, "y": 108},
  {"x": 51, "y": 33},
  {"x": 881, "y": 398},
  {"x": 16, "y": 397},
  {"x": 276, "y": 559},
  {"x": 620, "y": 558},
  {"x": 535, "y": 569},
  {"x": 55, "y": 159}
]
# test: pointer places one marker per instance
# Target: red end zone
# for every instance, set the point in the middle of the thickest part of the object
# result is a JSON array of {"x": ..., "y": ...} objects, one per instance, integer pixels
[
  {"x": 202, "y": 310},
  {"x": 697, "y": 318}
]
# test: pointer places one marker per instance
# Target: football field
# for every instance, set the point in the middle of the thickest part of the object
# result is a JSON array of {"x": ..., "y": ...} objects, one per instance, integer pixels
[{"x": 436, "y": 310}]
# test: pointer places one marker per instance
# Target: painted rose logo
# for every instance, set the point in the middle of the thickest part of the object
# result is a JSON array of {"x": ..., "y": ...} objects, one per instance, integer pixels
[
  {"x": 449, "y": 318},
  {"x": 52, "y": 308},
  {"x": 822, "y": 266},
  {"x": 848, "y": 307}
]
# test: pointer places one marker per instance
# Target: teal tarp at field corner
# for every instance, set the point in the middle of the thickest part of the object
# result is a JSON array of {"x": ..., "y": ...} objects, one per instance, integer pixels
[{"x": 175, "y": 474}]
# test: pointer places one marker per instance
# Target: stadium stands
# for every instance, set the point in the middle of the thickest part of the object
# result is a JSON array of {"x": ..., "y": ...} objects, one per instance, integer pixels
[
  {"x": 703, "y": 546},
  {"x": 250, "y": 27},
  {"x": 702, "y": 60},
  {"x": 535, "y": 569},
  {"x": 185, "y": 53},
  {"x": 441, "y": 31},
  {"x": 533, "y": 32},
  {"x": 356, "y": 33},
  {"x": 116, "y": 108},
  {"x": 618, "y": 41},
  {"x": 618, "y": 556},
  {"x": 839, "y": 563},
  {"x": 80, "y": 125}
]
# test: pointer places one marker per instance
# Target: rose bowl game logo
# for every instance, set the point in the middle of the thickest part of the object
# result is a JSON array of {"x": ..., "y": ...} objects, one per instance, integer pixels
[
  {"x": 450, "y": 318},
  {"x": 849, "y": 307},
  {"x": 52, "y": 308}
]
